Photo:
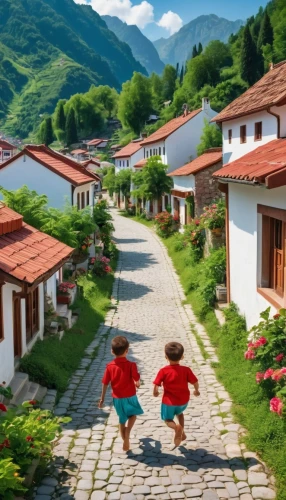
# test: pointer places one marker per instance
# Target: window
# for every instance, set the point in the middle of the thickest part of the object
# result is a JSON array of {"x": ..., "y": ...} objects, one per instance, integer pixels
[
  {"x": 230, "y": 136},
  {"x": 82, "y": 200},
  {"x": 164, "y": 150},
  {"x": 160, "y": 151},
  {"x": 78, "y": 201},
  {"x": 258, "y": 131},
  {"x": 32, "y": 314},
  {"x": 87, "y": 198},
  {"x": 144, "y": 154},
  {"x": 147, "y": 154},
  {"x": 127, "y": 163},
  {"x": 243, "y": 134},
  {"x": 150, "y": 152},
  {"x": 1, "y": 314},
  {"x": 156, "y": 151},
  {"x": 6, "y": 154}
]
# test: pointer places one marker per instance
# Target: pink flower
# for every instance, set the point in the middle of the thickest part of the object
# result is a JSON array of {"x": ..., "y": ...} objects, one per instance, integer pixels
[
  {"x": 279, "y": 357},
  {"x": 260, "y": 342},
  {"x": 276, "y": 405},
  {"x": 283, "y": 370},
  {"x": 250, "y": 345},
  {"x": 277, "y": 375},
  {"x": 249, "y": 355},
  {"x": 259, "y": 377},
  {"x": 268, "y": 373}
]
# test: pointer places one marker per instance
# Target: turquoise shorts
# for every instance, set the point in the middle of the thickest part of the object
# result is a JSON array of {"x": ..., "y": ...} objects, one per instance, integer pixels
[
  {"x": 169, "y": 412},
  {"x": 126, "y": 408}
]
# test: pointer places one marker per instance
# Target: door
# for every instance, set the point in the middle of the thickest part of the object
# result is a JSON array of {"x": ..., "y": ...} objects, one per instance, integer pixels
[
  {"x": 176, "y": 208},
  {"x": 17, "y": 329}
]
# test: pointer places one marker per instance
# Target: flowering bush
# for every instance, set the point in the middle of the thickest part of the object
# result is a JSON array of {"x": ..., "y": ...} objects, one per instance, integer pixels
[
  {"x": 25, "y": 434},
  {"x": 165, "y": 224},
  {"x": 214, "y": 216},
  {"x": 267, "y": 348},
  {"x": 86, "y": 244},
  {"x": 100, "y": 266},
  {"x": 65, "y": 286}
]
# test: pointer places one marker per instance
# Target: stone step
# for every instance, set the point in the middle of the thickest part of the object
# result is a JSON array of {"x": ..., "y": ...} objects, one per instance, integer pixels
[
  {"x": 19, "y": 383},
  {"x": 64, "y": 312},
  {"x": 33, "y": 391}
]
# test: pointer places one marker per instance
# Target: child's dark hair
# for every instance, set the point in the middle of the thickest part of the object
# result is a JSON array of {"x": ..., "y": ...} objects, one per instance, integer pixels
[
  {"x": 174, "y": 351},
  {"x": 119, "y": 345}
]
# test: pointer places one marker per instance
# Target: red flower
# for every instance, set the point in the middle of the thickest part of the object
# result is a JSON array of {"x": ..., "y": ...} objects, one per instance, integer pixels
[
  {"x": 276, "y": 316},
  {"x": 277, "y": 375},
  {"x": 283, "y": 370},
  {"x": 260, "y": 342},
  {"x": 3, "y": 407},
  {"x": 29, "y": 439},
  {"x": 249, "y": 355},
  {"x": 259, "y": 377},
  {"x": 268, "y": 373},
  {"x": 276, "y": 405},
  {"x": 33, "y": 402},
  {"x": 279, "y": 357}
]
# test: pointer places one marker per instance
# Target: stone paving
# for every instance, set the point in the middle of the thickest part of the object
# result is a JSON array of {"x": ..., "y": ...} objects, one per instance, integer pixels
[{"x": 90, "y": 463}]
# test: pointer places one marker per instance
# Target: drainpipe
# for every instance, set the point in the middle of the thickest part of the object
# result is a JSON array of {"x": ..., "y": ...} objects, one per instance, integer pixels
[{"x": 278, "y": 122}]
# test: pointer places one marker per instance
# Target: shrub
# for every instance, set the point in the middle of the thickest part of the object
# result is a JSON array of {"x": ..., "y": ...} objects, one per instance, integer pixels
[
  {"x": 165, "y": 224},
  {"x": 214, "y": 215},
  {"x": 100, "y": 266}
]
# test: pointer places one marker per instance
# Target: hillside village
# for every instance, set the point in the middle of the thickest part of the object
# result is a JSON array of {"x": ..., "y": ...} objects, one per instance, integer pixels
[{"x": 160, "y": 228}]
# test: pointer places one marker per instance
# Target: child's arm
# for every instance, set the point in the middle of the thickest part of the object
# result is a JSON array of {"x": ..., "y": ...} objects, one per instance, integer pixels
[
  {"x": 192, "y": 379},
  {"x": 103, "y": 393},
  {"x": 196, "y": 391},
  {"x": 136, "y": 375},
  {"x": 156, "y": 391}
]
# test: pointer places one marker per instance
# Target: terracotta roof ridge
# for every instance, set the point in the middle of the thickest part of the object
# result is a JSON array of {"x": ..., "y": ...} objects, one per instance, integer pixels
[
  {"x": 277, "y": 65},
  {"x": 213, "y": 150}
]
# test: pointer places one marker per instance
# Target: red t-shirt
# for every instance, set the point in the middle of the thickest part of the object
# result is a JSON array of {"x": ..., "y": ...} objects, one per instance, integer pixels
[
  {"x": 175, "y": 380},
  {"x": 121, "y": 373}
]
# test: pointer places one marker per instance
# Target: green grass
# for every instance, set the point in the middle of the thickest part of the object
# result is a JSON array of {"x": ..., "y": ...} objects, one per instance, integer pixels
[
  {"x": 266, "y": 432},
  {"x": 52, "y": 362}
]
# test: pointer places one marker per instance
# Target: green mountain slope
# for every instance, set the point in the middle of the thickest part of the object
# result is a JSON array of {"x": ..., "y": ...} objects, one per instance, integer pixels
[
  {"x": 142, "y": 48},
  {"x": 178, "y": 48},
  {"x": 51, "y": 49}
]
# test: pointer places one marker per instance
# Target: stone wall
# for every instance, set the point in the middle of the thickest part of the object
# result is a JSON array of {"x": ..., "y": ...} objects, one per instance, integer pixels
[{"x": 206, "y": 188}]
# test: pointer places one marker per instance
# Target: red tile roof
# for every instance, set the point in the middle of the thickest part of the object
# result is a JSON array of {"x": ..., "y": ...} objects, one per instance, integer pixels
[
  {"x": 93, "y": 161},
  {"x": 141, "y": 163},
  {"x": 208, "y": 159},
  {"x": 170, "y": 127},
  {"x": 25, "y": 253},
  {"x": 95, "y": 142},
  {"x": 6, "y": 145},
  {"x": 128, "y": 150},
  {"x": 61, "y": 165},
  {"x": 269, "y": 91},
  {"x": 265, "y": 165},
  {"x": 79, "y": 152}
]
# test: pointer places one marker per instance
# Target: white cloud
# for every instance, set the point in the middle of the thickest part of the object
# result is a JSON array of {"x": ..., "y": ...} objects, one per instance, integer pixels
[
  {"x": 171, "y": 22},
  {"x": 141, "y": 14}
]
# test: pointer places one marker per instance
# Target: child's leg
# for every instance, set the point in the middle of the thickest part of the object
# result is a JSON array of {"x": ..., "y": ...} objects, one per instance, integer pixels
[
  {"x": 122, "y": 430},
  {"x": 178, "y": 431},
  {"x": 181, "y": 419},
  {"x": 130, "y": 423}
]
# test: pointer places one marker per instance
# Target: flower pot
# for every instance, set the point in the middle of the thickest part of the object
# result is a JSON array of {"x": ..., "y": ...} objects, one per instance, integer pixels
[
  {"x": 79, "y": 257},
  {"x": 63, "y": 299}
]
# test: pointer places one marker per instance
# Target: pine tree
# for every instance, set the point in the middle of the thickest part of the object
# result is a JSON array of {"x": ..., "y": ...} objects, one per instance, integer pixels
[
  {"x": 195, "y": 51},
  {"x": 46, "y": 134},
  {"x": 60, "y": 119},
  {"x": 182, "y": 74},
  {"x": 249, "y": 58},
  {"x": 177, "y": 69},
  {"x": 266, "y": 34},
  {"x": 200, "y": 48},
  {"x": 71, "y": 130}
]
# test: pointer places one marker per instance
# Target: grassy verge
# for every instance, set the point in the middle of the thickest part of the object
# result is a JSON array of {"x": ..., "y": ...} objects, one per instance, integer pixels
[
  {"x": 266, "y": 432},
  {"x": 52, "y": 362},
  {"x": 145, "y": 222}
]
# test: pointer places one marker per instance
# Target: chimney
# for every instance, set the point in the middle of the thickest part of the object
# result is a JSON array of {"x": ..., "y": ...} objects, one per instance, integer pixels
[
  {"x": 185, "y": 108},
  {"x": 144, "y": 135},
  {"x": 206, "y": 105},
  {"x": 271, "y": 66}
]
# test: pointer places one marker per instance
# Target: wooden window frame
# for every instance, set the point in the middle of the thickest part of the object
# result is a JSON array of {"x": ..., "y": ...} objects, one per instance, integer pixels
[
  {"x": 127, "y": 163},
  {"x": 32, "y": 314},
  {"x": 160, "y": 151},
  {"x": 82, "y": 200},
  {"x": 147, "y": 154},
  {"x": 78, "y": 201},
  {"x": 258, "y": 131},
  {"x": 243, "y": 134},
  {"x": 230, "y": 136},
  {"x": 2, "y": 336},
  {"x": 87, "y": 199}
]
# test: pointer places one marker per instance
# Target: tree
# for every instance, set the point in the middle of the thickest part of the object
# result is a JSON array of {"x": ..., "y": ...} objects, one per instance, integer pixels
[
  {"x": 109, "y": 181},
  {"x": 59, "y": 116},
  {"x": 135, "y": 102},
  {"x": 194, "y": 52},
  {"x": 200, "y": 48},
  {"x": 169, "y": 78},
  {"x": 249, "y": 58},
  {"x": 266, "y": 34},
  {"x": 46, "y": 134},
  {"x": 123, "y": 184},
  {"x": 71, "y": 129},
  {"x": 106, "y": 96},
  {"x": 156, "y": 89},
  {"x": 177, "y": 69},
  {"x": 152, "y": 182},
  {"x": 278, "y": 19},
  {"x": 210, "y": 138},
  {"x": 182, "y": 74}
]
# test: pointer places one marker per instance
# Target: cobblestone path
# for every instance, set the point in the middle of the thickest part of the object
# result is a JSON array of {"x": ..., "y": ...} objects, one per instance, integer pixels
[{"x": 90, "y": 462}]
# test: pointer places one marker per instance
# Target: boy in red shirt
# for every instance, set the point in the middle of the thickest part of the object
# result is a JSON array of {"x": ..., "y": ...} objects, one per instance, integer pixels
[
  {"x": 124, "y": 378},
  {"x": 175, "y": 379}
]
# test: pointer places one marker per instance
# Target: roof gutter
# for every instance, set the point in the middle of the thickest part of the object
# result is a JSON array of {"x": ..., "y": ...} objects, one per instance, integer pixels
[
  {"x": 225, "y": 180},
  {"x": 278, "y": 122}
]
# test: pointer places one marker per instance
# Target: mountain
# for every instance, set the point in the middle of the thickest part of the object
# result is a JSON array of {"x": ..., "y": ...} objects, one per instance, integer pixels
[
  {"x": 142, "y": 48},
  {"x": 51, "y": 49},
  {"x": 178, "y": 48}
]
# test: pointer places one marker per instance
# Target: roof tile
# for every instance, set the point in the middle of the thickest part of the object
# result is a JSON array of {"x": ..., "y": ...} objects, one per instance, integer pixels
[
  {"x": 128, "y": 150},
  {"x": 170, "y": 127},
  {"x": 209, "y": 158}
]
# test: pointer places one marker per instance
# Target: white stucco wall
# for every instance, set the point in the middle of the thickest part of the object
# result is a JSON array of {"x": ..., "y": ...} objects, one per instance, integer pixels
[
  {"x": 236, "y": 150},
  {"x": 51, "y": 289},
  {"x": 38, "y": 178},
  {"x": 184, "y": 182},
  {"x": 121, "y": 163},
  {"x": 89, "y": 187},
  {"x": 7, "y": 345},
  {"x": 244, "y": 238}
]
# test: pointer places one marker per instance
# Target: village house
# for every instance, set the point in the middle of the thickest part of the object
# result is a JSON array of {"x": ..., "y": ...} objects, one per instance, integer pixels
[
  {"x": 194, "y": 186},
  {"x": 254, "y": 181},
  {"x": 80, "y": 154},
  {"x": 176, "y": 142},
  {"x": 30, "y": 267},
  {"x": 7, "y": 151},
  {"x": 53, "y": 174},
  {"x": 127, "y": 158},
  {"x": 97, "y": 144}
]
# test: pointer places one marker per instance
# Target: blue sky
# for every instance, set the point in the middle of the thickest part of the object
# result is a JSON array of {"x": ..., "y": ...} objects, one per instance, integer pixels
[{"x": 157, "y": 18}]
